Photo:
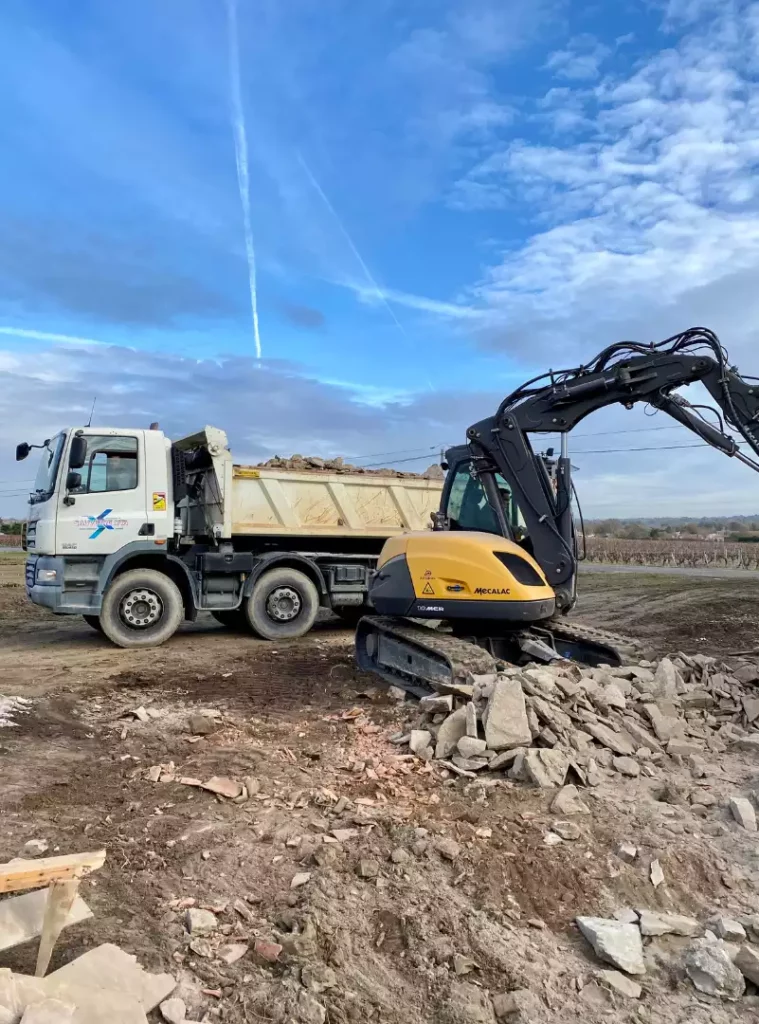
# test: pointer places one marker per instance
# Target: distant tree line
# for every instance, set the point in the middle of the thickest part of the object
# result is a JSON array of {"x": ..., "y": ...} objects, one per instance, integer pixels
[
  {"x": 12, "y": 527},
  {"x": 744, "y": 531}
]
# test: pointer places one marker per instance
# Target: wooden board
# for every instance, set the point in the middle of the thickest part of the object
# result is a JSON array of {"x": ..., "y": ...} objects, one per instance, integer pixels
[{"x": 19, "y": 875}]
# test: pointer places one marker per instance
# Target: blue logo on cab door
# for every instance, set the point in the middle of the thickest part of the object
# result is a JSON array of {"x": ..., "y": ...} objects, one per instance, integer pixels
[{"x": 101, "y": 523}]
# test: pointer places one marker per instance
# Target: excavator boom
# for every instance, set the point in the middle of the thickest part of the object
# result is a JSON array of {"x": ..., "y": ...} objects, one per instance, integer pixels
[
  {"x": 625, "y": 373},
  {"x": 499, "y": 584}
]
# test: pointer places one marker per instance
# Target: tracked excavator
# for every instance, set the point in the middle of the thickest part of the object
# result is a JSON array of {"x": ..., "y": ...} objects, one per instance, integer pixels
[{"x": 497, "y": 576}]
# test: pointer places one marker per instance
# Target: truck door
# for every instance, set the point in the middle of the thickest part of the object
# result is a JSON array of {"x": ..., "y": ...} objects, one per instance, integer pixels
[{"x": 109, "y": 505}]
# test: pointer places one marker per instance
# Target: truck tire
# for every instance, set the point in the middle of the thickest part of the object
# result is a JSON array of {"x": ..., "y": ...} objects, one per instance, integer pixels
[
  {"x": 283, "y": 605},
  {"x": 141, "y": 608},
  {"x": 232, "y": 618},
  {"x": 94, "y": 622}
]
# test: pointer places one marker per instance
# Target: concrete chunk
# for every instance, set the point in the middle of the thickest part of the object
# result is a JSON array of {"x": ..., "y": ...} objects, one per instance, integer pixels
[
  {"x": 469, "y": 747},
  {"x": 173, "y": 1011},
  {"x": 666, "y": 679},
  {"x": 21, "y": 917},
  {"x": 419, "y": 740},
  {"x": 546, "y": 768},
  {"x": 450, "y": 732},
  {"x": 697, "y": 699},
  {"x": 506, "y": 725},
  {"x": 627, "y": 766},
  {"x": 729, "y": 929},
  {"x": 711, "y": 970},
  {"x": 747, "y": 962},
  {"x": 471, "y": 720},
  {"x": 567, "y": 801},
  {"x": 654, "y": 923},
  {"x": 49, "y": 1011},
  {"x": 110, "y": 968},
  {"x": 641, "y": 736},
  {"x": 748, "y": 743},
  {"x": 665, "y": 726},
  {"x": 615, "y": 741},
  {"x": 620, "y": 983},
  {"x": 684, "y": 748},
  {"x": 200, "y": 922},
  {"x": 506, "y": 759},
  {"x": 615, "y": 941},
  {"x": 437, "y": 703},
  {"x": 743, "y": 812},
  {"x": 93, "y": 1005}
]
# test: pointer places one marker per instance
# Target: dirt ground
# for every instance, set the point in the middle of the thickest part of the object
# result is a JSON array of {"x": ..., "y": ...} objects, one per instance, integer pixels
[{"x": 420, "y": 938}]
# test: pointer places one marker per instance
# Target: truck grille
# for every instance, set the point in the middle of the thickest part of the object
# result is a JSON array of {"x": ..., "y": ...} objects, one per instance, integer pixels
[
  {"x": 28, "y": 535},
  {"x": 31, "y": 573}
]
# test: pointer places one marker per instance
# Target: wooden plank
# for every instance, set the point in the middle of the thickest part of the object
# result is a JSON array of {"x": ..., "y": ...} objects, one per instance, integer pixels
[
  {"x": 60, "y": 900},
  {"x": 33, "y": 874}
]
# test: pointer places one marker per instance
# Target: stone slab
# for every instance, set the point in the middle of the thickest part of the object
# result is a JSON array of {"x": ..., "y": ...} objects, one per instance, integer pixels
[{"x": 21, "y": 917}]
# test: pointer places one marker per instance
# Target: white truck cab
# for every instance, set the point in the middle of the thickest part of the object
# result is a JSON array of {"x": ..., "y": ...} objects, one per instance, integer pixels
[
  {"x": 97, "y": 492},
  {"x": 137, "y": 533}
]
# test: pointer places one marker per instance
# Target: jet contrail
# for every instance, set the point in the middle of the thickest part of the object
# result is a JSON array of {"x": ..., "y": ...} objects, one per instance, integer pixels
[
  {"x": 241, "y": 159},
  {"x": 66, "y": 339},
  {"x": 369, "y": 276}
]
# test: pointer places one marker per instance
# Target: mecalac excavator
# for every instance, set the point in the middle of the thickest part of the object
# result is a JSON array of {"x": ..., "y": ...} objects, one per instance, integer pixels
[{"x": 496, "y": 577}]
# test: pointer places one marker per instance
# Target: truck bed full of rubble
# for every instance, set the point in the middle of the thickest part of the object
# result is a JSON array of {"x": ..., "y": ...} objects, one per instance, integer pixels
[{"x": 313, "y": 464}]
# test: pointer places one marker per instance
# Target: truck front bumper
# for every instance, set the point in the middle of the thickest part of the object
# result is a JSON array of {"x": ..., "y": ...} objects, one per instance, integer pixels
[{"x": 45, "y": 586}]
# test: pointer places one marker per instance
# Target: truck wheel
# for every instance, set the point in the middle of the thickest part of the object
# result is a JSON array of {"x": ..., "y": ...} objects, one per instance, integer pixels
[
  {"x": 232, "y": 618},
  {"x": 283, "y": 605},
  {"x": 94, "y": 621},
  {"x": 141, "y": 608}
]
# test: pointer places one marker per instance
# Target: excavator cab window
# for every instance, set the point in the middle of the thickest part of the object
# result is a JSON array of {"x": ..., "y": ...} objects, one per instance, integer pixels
[{"x": 469, "y": 508}]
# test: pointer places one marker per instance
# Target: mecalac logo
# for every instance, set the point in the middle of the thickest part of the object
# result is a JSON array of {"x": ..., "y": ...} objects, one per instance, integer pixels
[
  {"x": 101, "y": 523},
  {"x": 491, "y": 590}
]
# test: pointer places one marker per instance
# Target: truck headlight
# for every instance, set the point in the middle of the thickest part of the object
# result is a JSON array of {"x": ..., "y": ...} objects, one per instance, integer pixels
[{"x": 47, "y": 575}]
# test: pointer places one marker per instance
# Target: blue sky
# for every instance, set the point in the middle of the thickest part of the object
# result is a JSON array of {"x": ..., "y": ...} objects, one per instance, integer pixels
[{"x": 444, "y": 197}]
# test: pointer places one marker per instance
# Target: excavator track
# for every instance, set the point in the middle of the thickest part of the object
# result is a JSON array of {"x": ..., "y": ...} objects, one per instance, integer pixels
[{"x": 423, "y": 660}]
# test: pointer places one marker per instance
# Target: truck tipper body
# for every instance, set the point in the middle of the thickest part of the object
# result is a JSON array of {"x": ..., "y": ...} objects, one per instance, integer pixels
[{"x": 137, "y": 533}]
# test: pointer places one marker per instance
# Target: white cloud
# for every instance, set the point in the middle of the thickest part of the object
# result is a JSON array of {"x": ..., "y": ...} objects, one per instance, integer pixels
[
  {"x": 580, "y": 60},
  {"x": 652, "y": 213}
]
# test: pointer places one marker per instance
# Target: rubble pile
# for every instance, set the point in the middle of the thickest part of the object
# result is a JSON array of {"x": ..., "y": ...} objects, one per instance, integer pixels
[
  {"x": 549, "y": 724},
  {"x": 311, "y": 463},
  {"x": 719, "y": 960}
]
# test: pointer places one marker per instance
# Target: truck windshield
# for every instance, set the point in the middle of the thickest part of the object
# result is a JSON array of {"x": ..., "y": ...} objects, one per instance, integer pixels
[{"x": 44, "y": 483}]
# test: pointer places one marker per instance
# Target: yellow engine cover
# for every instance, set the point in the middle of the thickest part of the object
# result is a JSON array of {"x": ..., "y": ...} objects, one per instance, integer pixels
[{"x": 464, "y": 566}]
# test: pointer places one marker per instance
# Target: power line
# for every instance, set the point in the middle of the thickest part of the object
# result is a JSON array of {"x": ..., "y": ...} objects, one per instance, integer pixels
[
  {"x": 606, "y": 433},
  {"x": 653, "y": 448},
  {"x": 587, "y": 451},
  {"x": 399, "y": 451},
  {"x": 418, "y": 458}
]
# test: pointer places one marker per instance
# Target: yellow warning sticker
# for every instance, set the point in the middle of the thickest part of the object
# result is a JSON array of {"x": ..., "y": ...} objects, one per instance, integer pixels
[
  {"x": 428, "y": 589},
  {"x": 159, "y": 501}
]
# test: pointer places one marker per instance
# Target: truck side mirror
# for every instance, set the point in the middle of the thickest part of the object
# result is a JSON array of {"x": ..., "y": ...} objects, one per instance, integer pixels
[
  {"x": 78, "y": 453},
  {"x": 73, "y": 480},
  {"x": 22, "y": 450}
]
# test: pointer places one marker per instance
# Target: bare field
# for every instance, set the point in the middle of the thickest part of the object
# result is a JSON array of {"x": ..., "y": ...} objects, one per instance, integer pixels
[{"x": 312, "y": 730}]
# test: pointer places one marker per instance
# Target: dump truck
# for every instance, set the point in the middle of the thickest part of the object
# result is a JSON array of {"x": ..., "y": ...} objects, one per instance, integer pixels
[{"x": 137, "y": 533}]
